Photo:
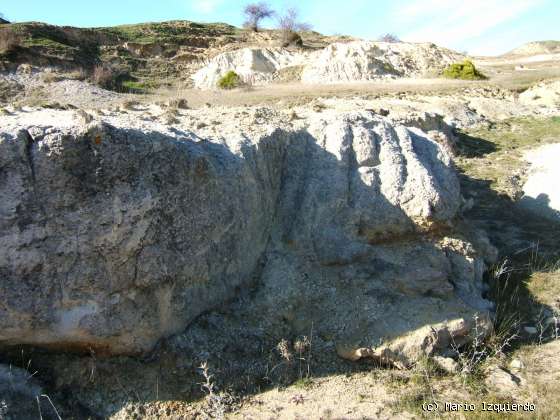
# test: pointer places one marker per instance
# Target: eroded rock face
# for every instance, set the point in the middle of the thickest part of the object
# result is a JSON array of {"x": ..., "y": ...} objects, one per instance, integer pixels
[
  {"x": 113, "y": 237},
  {"x": 253, "y": 65},
  {"x": 367, "y": 60},
  {"x": 356, "y": 61}
]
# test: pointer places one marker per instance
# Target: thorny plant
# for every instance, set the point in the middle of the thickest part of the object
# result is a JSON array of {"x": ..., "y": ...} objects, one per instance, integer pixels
[
  {"x": 3, "y": 409},
  {"x": 300, "y": 346},
  {"x": 218, "y": 403},
  {"x": 297, "y": 399},
  {"x": 548, "y": 327},
  {"x": 507, "y": 321},
  {"x": 4, "y": 406},
  {"x": 303, "y": 349},
  {"x": 471, "y": 356}
]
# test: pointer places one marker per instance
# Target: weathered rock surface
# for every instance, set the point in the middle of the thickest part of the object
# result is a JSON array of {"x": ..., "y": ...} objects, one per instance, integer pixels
[
  {"x": 366, "y": 60},
  {"x": 113, "y": 235},
  {"x": 544, "y": 95},
  {"x": 339, "y": 62},
  {"x": 253, "y": 65}
]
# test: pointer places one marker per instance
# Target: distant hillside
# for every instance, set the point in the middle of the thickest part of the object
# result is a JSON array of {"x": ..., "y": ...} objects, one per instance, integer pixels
[
  {"x": 147, "y": 54},
  {"x": 537, "y": 47},
  {"x": 43, "y": 44}
]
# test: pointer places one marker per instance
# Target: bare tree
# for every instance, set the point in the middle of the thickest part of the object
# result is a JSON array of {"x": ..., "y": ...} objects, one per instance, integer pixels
[
  {"x": 254, "y": 13},
  {"x": 289, "y": 22},
  {"x": 289, "y": 25},
  {"x": 389, "y": 38}
]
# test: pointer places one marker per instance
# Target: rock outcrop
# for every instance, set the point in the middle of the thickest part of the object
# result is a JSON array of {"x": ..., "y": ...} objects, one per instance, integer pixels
[
  {"x": 253, "y": 65},
  {"x": 114, "y": 236},
  {"x": 355, "y": 61},
  {"x": 365, "y": 60},
  {"x": 544, "y": 95}
]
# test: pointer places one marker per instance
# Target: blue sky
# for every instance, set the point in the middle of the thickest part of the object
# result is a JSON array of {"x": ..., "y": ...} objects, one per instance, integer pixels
[{"x": 484, "y": 27}]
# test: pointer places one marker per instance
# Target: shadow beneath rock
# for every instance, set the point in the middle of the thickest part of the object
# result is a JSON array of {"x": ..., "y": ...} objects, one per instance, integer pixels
[
  {"x": 540, "y": 206},
  {"x": 527, "y": 241},
  {"x": 471, "y": 147}
]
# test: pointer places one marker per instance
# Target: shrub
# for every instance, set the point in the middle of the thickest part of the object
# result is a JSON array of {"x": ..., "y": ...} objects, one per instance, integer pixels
[
  {"x": 389, "y": 38},
  {"x": 9, "y": 41},
  {"x": 229, "y": 80},
  {"x": 465, "y": 71},
  {"x": 104, "y": 77},
  {"x": 255, "y": 13},
  {"x": 291, "y": 38},
  {"x": 289, "y": 25},
  {"x": 109, "y": 77}
]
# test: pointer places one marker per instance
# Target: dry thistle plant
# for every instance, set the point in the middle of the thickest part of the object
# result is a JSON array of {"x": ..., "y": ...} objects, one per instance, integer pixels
[
  {"x": 301, "y": 346},
  {"x": 283, "y": 349},
  {"x": 217, "y": 403}
]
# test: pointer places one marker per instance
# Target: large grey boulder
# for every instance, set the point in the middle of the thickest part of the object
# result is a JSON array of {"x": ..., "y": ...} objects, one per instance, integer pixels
[{"x": 113, "y": 236}]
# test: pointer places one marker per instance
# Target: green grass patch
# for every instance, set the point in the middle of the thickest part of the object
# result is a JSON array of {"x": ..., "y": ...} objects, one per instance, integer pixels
[
  {"x": 49, "y": 45},
  {"x": 304, "y": 383},
  {"x": 230, "y": 80},
  {"x": 494, "y": 153},
  {"x": 134, "y": 86},
  {"x": 167, "y": 32},
  {"x": 464, "y": 71}
]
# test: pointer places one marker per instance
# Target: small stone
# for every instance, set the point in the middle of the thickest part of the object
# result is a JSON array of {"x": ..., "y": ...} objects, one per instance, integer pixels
[
  {"x": 178, "y": 103},
  {"x": 530, "y": 330},
  {"x": 502, "y": 381},
  {"x": 447, "y": 364},
  {"x": 516, "y": 364},
  {"x": 129, "y": 105},
  {"x": 83, "y": 116}
]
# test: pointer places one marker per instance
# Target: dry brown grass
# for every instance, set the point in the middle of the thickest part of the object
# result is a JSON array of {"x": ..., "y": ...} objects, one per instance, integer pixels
[
  {"x": 8, "y": 40},
  {"x": 545, "y": 287},
  {"x": 103, "y": 76}
]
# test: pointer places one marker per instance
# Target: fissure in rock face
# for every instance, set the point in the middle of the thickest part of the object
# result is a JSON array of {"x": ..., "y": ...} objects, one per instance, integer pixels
[{"x": 114, "y": 237}]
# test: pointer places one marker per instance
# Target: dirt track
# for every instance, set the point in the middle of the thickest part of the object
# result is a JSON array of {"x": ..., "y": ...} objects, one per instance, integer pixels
[{"x": 502, "y": 74}]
